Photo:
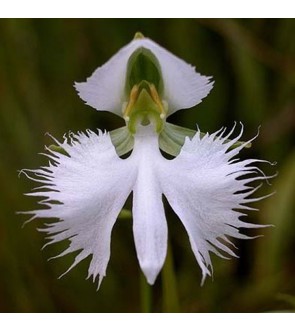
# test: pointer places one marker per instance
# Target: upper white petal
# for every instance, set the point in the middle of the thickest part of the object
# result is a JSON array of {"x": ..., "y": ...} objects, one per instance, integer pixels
[
  {"x": 183, "y": 86},
  {"x": 92, "y": 185}
]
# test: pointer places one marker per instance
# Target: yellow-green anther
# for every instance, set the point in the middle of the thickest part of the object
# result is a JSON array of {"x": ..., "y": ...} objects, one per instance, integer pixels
[
  {"x": 144, "y": 107},
  {"x": 157, "y": 100},
  {"x": 132, "y": 100}
]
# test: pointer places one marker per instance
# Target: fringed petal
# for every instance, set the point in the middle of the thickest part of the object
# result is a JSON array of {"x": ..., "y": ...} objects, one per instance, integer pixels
[
  {"x": 207, "y": 189},
  {"x": 85, "y": 189}
]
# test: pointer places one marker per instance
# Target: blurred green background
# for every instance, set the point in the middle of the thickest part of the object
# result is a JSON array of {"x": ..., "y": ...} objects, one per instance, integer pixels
[{"x": 253, "y": 64}]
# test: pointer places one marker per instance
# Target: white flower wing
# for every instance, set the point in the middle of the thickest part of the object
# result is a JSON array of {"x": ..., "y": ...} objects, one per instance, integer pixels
[
  {"x": 85, "y": 190},
  {"x": 203, "y": 186},
  {"x": 104, "y": 90},
  {"x": 183, "y": 86}
]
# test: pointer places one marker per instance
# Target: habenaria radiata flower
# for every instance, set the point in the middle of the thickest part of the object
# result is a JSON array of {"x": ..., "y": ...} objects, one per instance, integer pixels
[{"x": 86, "y": 182}]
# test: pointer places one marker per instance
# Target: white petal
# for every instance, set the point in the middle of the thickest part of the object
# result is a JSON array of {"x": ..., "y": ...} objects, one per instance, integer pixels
[
  {"x": 149, "y": 222},
  {"x": 183, "y": 86},
  {"x": 204, "y": 188},
  {"x": 92, "y": 185}
]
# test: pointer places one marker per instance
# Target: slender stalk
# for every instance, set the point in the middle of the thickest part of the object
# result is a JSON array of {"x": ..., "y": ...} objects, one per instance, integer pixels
[
  {"x": 170, "y": 293},
  {"x": 145, "y": 295}
]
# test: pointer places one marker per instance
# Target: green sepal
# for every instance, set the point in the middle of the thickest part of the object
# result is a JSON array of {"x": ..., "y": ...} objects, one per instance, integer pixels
[
  {"x": 172, "y": 138},
  {"x": 122, "y": 140}
]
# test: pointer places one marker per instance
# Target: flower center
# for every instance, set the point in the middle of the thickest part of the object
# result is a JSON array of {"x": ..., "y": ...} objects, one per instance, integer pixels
[
  {"x": 144, "y": 107},
  {"x": 143, "y": 90}
]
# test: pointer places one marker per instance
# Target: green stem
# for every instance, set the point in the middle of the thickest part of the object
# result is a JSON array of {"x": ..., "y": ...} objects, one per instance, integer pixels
[
  {"x": 170, "y": 293},
  {"x": 145, "y": 295}
]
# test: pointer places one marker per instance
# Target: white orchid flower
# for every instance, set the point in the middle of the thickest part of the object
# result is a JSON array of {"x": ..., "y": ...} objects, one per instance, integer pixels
[{"x": 86, "y": 182}]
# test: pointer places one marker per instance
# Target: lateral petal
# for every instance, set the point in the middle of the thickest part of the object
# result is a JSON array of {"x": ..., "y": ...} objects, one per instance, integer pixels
[
  {"x": 204, "y": 187},
  {"x": 85, "y": 189}
]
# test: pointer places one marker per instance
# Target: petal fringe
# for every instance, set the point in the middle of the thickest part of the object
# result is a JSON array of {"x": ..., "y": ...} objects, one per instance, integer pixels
[
  {"x": 86, "y": 191},
  {"x": 207, "y": 189},
  {"x": 207, "y": 186}
]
